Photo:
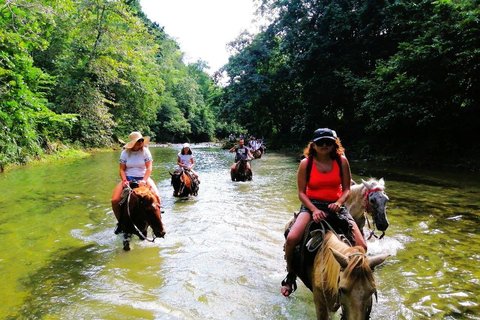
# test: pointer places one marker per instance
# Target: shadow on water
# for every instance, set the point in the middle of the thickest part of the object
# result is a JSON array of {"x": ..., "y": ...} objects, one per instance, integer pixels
[{"x": 51, "y": 287}]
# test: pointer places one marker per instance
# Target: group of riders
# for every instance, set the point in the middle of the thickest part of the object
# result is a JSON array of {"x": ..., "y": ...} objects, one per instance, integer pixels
[
  {"x": 252, "y": 143},
  {"x": 323, "y": 181}
]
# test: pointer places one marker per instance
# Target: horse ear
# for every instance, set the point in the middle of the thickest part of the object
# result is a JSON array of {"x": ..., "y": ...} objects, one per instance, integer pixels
[
  {"x": 381, "y": 182},
  {"x": 377, "y": 260},
  {"x": 369, "y": 186},
  {"x": 340, "y": 257},
  {"x": 170, "y": 173}
]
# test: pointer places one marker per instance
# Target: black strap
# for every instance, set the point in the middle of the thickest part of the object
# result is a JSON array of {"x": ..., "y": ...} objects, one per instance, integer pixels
[{"x": 310, "y": 165}]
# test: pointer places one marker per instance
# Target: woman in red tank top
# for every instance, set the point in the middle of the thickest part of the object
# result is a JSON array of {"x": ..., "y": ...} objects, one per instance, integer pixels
[{"x": 323, "y": 181}]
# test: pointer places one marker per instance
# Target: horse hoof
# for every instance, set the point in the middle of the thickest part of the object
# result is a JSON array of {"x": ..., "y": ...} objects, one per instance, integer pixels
[{"x": 126, "y": 246}]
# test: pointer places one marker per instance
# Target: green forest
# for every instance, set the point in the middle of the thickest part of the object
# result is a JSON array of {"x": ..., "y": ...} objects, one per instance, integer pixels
[{"x": 398, "y": 80}]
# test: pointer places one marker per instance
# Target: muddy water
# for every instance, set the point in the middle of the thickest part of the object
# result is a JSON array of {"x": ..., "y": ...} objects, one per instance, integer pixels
[{"x": 222, "y": 256}]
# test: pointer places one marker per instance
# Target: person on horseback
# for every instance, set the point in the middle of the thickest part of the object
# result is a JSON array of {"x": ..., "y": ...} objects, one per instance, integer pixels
[
  {"x": 185, "y": 160},
  {"x": 241, "y": 152},
  {"x": 323, "y": 181},
  {"x": 135, "y": 164}
]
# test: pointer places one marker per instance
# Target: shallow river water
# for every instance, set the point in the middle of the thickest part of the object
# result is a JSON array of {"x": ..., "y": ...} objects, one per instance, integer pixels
[{"x": 222, "y": 257}]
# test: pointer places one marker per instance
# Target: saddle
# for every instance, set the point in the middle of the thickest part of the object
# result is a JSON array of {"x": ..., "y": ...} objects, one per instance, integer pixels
[
  {"x": 305, "y": 252},
  {"x": 193, "y": 182}
]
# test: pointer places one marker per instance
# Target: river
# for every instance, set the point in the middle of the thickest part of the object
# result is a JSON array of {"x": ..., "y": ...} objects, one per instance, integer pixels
[{"x": 222, "y": 256}]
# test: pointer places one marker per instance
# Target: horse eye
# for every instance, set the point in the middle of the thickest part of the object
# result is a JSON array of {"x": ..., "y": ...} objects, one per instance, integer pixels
[{"x": 342, "y": 290}]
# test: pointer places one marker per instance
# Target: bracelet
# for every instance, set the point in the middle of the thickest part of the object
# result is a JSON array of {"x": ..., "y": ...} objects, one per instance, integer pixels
[
  {"x": 338, "y": 203},
  {"x": 124, "y": 180}
]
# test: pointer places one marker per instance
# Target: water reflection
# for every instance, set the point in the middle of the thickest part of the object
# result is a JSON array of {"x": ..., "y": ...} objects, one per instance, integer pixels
[{"x": 222, "y": 256}]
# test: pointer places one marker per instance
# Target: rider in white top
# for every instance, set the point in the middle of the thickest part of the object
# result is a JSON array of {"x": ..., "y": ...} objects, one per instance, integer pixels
[
  {"x": 135, "y": 164},
  {"x": 185, "y": 159}
]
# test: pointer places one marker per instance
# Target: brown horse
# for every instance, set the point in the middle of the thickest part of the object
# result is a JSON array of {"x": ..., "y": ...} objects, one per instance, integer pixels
[
  {"x": 241, "y": 172},
  {"x": 140, "y": 209},
  {"x": 257, "y": 154},
  {"x": 184, "y": 183},
  {"x": 342, "y": 277},
  {"x": 369, "y": 197}
]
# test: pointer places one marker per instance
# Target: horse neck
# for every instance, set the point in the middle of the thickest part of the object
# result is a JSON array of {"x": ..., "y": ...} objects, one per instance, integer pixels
[
  {"x": 328, "y": 266},
  {"x": 241, "y": 165},
  {"x": 330, "y": 269},
  {"x": 356, "y": 202}
]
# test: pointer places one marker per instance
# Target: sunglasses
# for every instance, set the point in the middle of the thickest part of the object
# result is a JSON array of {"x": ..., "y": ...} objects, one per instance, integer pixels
[
  {"x": 327, "y": 142},
  {"x": 140, "y": 140}
]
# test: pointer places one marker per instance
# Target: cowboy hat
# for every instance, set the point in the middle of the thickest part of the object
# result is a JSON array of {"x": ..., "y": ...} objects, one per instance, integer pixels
[{"x": 133, "y": 138}]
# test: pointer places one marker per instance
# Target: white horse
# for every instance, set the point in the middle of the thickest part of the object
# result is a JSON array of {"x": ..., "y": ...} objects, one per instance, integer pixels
[{"x": 369, "y": 197}]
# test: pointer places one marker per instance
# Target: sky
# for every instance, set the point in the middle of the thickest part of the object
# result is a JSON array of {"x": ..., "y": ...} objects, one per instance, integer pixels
[{"x": 202, "y": 28}]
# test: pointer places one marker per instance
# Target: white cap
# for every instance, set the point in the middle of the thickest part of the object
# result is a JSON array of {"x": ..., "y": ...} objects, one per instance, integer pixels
[{"x": 186, "y": 145}]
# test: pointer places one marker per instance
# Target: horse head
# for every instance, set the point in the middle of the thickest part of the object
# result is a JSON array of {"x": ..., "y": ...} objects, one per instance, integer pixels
[
  {"x": 177, "y": 182},
  {"x": 144, "y": 211},
  {"x": 356, "y": 285},
  {"x": 376, "y": 202}
]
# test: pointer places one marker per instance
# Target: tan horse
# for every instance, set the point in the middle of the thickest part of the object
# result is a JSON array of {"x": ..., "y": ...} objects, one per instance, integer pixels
[
  {"x": 369, "y": 197},
  {"x": 342, "y": 277}
]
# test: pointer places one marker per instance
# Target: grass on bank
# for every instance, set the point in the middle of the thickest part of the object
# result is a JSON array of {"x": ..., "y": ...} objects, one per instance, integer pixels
[{"x": 64, "y": 153}]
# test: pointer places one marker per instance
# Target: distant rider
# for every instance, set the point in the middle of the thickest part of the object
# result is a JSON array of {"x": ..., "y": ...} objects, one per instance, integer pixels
[{"x": 241, "y": 152}]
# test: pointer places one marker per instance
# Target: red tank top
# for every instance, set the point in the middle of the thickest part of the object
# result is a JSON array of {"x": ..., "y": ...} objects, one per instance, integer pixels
[{"x": 325, "y": 186}]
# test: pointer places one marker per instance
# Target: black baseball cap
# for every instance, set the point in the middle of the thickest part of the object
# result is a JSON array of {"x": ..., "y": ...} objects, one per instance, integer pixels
[{"x": 324, "y": 133}]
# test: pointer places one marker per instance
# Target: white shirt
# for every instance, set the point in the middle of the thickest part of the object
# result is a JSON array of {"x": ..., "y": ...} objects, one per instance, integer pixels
[
  {"x": 135, "y": 161},
  {"x": 185, "y": 159}
]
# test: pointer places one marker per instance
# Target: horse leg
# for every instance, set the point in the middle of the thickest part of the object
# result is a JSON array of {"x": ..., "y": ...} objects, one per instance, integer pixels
[
  {"x": 126, "y": 241},
  {"x": 320, "y": 305}
]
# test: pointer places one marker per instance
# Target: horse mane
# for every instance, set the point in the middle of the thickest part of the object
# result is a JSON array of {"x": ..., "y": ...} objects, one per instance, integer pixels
[
  {"x": 178, "y": 171},
  {"x": 146, "y": 194},
  {"x": 357, "y": 268}
]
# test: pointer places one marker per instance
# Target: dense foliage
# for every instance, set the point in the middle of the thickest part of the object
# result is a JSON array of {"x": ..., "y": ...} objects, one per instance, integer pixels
[
  {"x": 395, "y": 78},
  {"x": 398, "y": 79},
  {"x": 79, "y": 72}
]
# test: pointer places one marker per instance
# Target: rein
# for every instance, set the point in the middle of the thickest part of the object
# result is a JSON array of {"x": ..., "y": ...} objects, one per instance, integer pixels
[
  {"x": 130, "y": 190},
  {"x": 369, "y": 209}
]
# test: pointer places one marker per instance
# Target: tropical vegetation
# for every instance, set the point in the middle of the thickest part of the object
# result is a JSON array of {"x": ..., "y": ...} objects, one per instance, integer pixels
[{"x": 397, "y": 79}]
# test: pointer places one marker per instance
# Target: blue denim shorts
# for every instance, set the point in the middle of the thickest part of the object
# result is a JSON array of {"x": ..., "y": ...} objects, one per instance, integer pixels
[
  {"x": 323, "y": 205},
  {"x": 129, "y": 178}
]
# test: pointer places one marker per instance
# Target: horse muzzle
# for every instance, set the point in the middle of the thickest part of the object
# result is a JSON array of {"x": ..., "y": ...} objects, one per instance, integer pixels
[
  {"x": 159, "y": 233},
  {"x": 381, "y": 221}
]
